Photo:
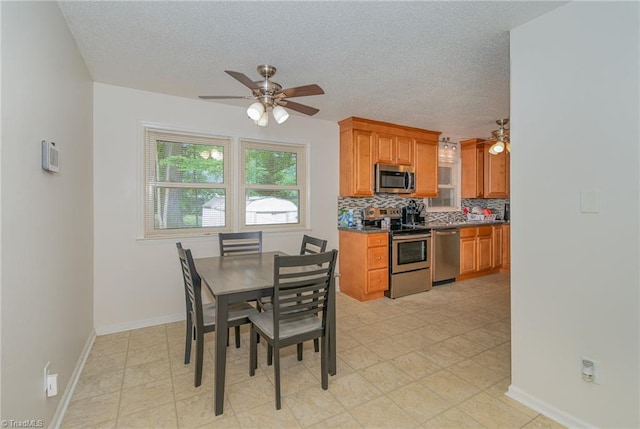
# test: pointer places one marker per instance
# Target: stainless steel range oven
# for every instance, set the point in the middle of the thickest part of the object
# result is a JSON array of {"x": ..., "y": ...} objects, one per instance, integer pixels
[
  {"x": 409, "y": 268},
  {"x": 409, "y": 252}
]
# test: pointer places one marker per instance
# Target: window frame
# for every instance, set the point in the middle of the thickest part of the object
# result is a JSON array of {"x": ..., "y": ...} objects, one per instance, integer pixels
[
  {"x": 152, "y": 135},
  {"x": 301, "y": 186},
  {"x": 452, "y": 162}
]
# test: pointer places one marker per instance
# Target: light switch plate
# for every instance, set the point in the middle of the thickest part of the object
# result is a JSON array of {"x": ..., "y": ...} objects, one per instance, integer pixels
[{"x": 589, "y": 202}]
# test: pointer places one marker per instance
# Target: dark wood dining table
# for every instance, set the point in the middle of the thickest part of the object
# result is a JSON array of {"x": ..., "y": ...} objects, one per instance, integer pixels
[{"x": 241, "y": 278}]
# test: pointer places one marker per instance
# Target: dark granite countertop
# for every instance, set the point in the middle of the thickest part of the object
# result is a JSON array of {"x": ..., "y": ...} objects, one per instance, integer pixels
[{"x": 430, "y": 225}]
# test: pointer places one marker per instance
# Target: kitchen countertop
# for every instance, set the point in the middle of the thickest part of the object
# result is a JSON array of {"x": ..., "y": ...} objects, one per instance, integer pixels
[
  {"x": 443, "y": 225},
  {"x": 430, "y": 225}
]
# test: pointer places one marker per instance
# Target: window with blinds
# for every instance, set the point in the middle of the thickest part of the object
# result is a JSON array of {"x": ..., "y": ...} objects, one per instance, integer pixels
[
  {"x": 187, "y": 183},
  {"x": 272, "y": 185}
]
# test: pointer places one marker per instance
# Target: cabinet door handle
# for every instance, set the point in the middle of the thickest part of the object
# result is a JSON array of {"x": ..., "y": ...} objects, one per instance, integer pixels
[{"x": 379, "y": 257}]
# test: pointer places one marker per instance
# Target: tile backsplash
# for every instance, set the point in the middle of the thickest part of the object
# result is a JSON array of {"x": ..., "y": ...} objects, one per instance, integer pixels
[{"x": 389, "y": 200}]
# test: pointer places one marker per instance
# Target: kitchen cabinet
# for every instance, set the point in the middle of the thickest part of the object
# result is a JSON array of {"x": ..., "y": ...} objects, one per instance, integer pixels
[
  {"x": 476, "y": 252},
  {"x": 506, "y": 248},
  {"x": 483, "y": 175},
  {"x": 364, "y": 142},
  {"x": 391, "y": 149},
  {"x": 356, "y": 163},
  {"x": 364, "y": 264},
  {"x": 497, "y": 246},
  {"x": 426, "y": 168}
]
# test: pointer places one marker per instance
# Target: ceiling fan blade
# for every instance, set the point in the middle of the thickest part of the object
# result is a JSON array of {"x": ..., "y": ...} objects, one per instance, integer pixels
[
  {"x": 222, "y": 97},
  {"x": 307, "y": 110},
  {"x": 301, "y": 91},
  {"x": 243, "y": 79}
]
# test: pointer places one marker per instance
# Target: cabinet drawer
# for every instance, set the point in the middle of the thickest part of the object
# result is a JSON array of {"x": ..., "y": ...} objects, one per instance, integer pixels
[
  {"x": 378, "y": 280},
  {"x": 375, "y": 240},
  {"x": 377, "y": 257},
  {"x": 468, "y": 232},
  {"x": 485, "y": 231}
]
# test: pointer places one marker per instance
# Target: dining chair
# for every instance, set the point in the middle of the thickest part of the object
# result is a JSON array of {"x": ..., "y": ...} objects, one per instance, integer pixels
[
  {"x": 240, "y": 243},
  {"x": 303, "y": 286},
  {"x": 310, "y": 245},
  {"x": 201, "y": 318}
]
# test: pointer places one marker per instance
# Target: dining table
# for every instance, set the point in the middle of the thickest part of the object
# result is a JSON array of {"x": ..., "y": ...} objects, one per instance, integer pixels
[{"x": 240, "y": 278}]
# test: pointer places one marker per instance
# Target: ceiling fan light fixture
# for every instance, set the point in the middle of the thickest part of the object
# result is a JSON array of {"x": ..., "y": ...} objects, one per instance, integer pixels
[
  {"x": 497, "y": 148},
  {"x": 280, "y": 114},
  {"x": 264, "y": 119},
  {"x": 256, "y": 111}
]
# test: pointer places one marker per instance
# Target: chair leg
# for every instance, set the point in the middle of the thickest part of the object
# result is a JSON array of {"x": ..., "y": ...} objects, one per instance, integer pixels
[
  {"x": 276, "y": 373},
  {"x": 316, "y": 345},
  {"x": 324, "y": 363},
  {"x": 199, "y": 357},
  {"x": 237, "y": 335},
  {"x": 228, "y": 338},
  {"x": 299, "y": 346},
  {"x": 253, "y": 351},
  {"x": 269, "y": 354},
  {"x": 188, "y": 341}
]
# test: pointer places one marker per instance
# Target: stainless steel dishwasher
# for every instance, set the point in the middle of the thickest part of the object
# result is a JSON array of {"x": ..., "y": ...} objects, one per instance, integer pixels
[{"x": 445, "y": 262}]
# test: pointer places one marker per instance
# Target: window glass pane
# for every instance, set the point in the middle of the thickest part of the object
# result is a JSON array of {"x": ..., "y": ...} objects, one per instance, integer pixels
[
  {"x": 188, "y": 207},
  {"x": 271, "y": 207},
  {"x": 446, "y": 198},
  {"x": 267, "y": 167},
  {"x": 445, "y": 175},
  {"x": 189, "y": 163}
]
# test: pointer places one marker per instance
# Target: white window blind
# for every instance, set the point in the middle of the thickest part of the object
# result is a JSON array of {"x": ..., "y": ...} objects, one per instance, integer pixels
[
  {"x": 187, "y": 183},
  {"x": 272, "y": 185}
]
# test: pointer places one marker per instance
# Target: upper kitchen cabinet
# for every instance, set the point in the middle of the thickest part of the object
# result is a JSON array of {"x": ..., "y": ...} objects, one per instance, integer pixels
[
  {"x": 364, "y": 143},
  {"x": 356, "y": 162},
  {"x": 426, "y": 168},
  {"x": 391, "y": 149},
  {"x": 483, "y": 175}
]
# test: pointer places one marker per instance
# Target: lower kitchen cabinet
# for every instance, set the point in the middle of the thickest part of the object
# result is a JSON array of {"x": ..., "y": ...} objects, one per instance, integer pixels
[
  {"x": 476, "y": 252},
  {"x": 364, "y": 264},
  {"x": 497, "y": 246},
  {"x": 506, "y": 248}
]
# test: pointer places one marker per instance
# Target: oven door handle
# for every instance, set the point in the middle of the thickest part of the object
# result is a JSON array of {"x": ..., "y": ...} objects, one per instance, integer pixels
[{"x": 412, "y": 237}]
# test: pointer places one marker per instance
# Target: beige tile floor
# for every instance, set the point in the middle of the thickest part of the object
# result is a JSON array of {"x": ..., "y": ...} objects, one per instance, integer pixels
[{"x": 439, "y": 359}]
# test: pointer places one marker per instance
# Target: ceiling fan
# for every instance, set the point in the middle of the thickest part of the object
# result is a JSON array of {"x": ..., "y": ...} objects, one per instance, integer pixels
[
  {"x": 500, "y": 137},
  {"x": 270, "y": 95}
]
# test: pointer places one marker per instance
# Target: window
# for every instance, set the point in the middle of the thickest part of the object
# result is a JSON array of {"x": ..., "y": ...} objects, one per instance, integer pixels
[
  {"x": 448, "y": 179},
  {"x": 187, "y": 183},
  {"x": 272, "y": 185},
  {"x": 192, "y": 183}
]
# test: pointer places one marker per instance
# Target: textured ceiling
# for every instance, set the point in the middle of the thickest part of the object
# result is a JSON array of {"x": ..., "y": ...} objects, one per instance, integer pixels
[{"x": 437, "y": 65}]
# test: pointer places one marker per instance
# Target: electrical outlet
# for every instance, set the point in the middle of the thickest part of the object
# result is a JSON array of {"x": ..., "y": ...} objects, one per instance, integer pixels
[
  {"x": 590, "y": 370},
  {"x": 52, "y": 385}
]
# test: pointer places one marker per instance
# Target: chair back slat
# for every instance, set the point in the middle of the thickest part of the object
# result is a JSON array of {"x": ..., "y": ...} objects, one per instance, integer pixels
[
  {"x": 240, "y": 243},
  {"x": 302, "y": 286},
  {"x": 312, "y": 245}
]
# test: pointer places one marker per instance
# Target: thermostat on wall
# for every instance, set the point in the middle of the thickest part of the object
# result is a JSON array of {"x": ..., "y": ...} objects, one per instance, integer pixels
[{"x": 50, "y": 157}]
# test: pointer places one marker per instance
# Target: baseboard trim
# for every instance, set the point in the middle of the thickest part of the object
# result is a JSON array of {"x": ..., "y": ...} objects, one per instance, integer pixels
[
  {"x": 120, "y": 327},
  {"x": 547, "y": 409},
  {"x": 61, "y": 410}
]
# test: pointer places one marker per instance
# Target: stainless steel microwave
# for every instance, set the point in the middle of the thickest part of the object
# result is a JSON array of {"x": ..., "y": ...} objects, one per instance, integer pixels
[{"x": 394, "y": 179}]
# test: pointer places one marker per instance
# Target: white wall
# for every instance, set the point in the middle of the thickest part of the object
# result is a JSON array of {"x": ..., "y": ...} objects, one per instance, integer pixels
[
  {"x": 575, "y": 279},
  {"x": 47, "y": 230},
  {"x": 138, "y": 282}
]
